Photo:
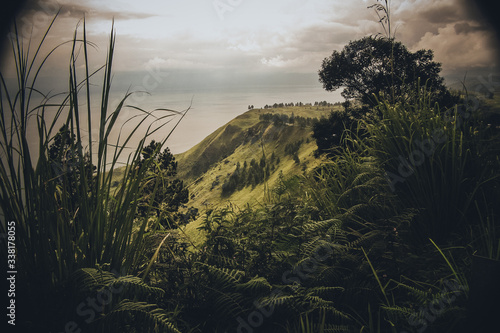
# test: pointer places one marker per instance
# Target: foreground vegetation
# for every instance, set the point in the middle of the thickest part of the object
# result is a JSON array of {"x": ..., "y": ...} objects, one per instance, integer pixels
[
  {"x": 389, "y": 235},
  {"x": 358, "y": 244},
  {"x": 74, "y": 236}
]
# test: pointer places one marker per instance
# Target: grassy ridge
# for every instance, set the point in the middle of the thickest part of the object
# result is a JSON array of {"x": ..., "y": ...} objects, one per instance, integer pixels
[{"x": 206, "y": 166}]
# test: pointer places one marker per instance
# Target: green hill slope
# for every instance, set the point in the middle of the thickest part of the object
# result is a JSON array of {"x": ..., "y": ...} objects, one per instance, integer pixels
[{"x": 256, "y": 146}]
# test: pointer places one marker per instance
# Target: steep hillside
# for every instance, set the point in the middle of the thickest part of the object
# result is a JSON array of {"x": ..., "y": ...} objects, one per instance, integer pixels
[{"x": 241, "y": 161}]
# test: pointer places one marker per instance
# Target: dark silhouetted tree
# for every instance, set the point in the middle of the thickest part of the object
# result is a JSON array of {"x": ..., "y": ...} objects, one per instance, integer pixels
[
  {"x": 328, "y": 132},
  {"x": 382, "y": 67},
  {"x": 72, "y": 168},
  {"x": 162, "y": 193}
]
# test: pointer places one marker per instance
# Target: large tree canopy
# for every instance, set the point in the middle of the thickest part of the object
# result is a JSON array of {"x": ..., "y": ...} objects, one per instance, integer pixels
[{"x": 383, "y": 67}]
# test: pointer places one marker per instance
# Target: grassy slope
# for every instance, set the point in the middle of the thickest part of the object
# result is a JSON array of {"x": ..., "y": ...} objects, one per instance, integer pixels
[
  {"x": 206, "y": 166},
  {"x": 241, "y": 140},
  {"x": 226, "y": 139}
]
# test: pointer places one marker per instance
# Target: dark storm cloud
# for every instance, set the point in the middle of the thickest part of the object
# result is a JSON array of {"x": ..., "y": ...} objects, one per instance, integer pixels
[
  {"x": 466, "y": 28},
  {"x": 440, "y": 14},
  {"x": 78, "y": 11},
  {"x": 455, "y": 30},
  {"x": 472, "y": 9}
]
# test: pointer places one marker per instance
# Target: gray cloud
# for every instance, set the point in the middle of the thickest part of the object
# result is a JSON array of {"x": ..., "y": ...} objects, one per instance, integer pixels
[
  {"x": 319, "y": 38},
  {"x": 441, "y": 13},
  {"x": 72, "y": 9},
  {"x": 465, "y": 28},
  {"x": 78, "y": 11}
]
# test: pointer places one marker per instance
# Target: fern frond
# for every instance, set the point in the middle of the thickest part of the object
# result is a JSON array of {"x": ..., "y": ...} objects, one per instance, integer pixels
[
  {"x": 421, "y": 295},
  {"x": 222, "y": 260},
  {"x": 328, "y": 274},
  {"x": 91, "y": 279},
  {"x": 134, "y": 287},
  {"x": 362, "y": 239},
  {"x": 317, "y": 226},
  {"x": 143, "y": 317},
  {"x": 255, "y": 285},
  {"x": 224, "y": 277},
  {"x": 227, "y": 303},
  {"x": 317, "y": 302},
  {"x": 279, "y": 301},
  {"x": 323, "y": 290},
  {"x": 399, "y": 311}
]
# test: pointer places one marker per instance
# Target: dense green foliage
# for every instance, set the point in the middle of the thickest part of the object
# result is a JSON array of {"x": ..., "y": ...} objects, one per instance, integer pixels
[{"x": 343, "y": 248}]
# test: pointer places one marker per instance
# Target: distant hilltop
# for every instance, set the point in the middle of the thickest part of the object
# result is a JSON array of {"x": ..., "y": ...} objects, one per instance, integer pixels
[{"x": 246, "y": 156}]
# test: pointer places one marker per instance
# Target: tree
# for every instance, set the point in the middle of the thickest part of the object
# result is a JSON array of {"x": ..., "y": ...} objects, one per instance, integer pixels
[
  {"x": 73, "y": 170},
  {"x": 162, "y": 193},
  {"x": 328, "y": 132},
  {"x": 382, "y": 67}
]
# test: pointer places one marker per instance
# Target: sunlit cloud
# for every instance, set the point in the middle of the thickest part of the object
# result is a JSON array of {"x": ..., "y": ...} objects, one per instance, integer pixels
[
  {"x": 157, "y": 62},
  {"x": 246, "y": 44},
  {"x": 276, "y": 61},
  {"x": 460, "y": 46}
]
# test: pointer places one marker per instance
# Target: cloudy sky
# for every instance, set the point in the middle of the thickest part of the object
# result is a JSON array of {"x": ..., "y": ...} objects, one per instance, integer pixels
[
  {"x": 261, "y": 36},
  {"x": 220, "y": 42}
]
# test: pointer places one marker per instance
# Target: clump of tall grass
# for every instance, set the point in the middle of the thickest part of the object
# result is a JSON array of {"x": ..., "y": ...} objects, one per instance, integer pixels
[
  {"x": 63, "y": 226},
  {"x": 408, "y": 173},
  {"x": 433, "y": 161}
]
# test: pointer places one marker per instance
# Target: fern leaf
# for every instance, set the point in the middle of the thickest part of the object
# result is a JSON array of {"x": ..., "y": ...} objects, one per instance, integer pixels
[
  {"x": 142, "y": 316},
  {"x": 256, "y": 285}
]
